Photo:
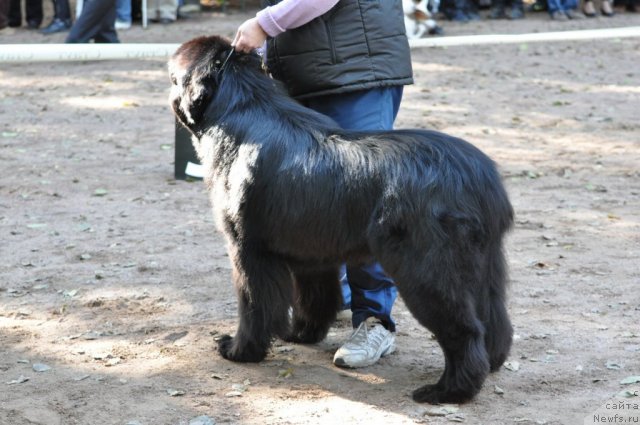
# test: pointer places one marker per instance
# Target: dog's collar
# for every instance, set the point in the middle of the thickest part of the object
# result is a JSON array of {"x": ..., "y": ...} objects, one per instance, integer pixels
[{"x": 224, "y": 64}]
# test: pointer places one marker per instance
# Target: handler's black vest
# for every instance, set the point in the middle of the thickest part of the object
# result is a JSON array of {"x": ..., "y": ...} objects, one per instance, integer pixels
[{"x": 358, "y": 44}]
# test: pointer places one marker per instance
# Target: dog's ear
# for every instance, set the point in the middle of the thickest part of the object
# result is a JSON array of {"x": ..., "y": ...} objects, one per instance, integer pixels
[
  {"x": 193, "y": 69},
  {"x": 192, "y": 89},
  {"x": 196, "y": 94}
]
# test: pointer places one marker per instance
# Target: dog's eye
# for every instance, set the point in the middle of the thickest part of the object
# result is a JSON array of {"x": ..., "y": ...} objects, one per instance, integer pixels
[{"x": 174, "y": 81}]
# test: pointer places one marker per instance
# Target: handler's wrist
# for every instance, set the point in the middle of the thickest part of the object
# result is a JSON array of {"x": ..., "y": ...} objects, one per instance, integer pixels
[{"x": 268, "y": 24}]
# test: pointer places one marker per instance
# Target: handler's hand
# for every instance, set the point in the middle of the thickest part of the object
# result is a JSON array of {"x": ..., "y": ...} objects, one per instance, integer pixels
[{"x": 249, "y": 36}]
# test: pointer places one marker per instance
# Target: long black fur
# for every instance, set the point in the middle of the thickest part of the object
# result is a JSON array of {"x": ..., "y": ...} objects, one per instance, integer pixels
[{"x": 296, "y": 196}]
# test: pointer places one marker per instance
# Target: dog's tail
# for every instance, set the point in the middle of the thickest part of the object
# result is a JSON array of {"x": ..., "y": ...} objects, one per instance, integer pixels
[
  {"x": 480, "y": 224},
  {"x": 491, "y": 304}
]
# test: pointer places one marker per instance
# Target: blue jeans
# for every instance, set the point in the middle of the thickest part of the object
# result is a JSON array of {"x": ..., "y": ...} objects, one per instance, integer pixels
[
  {"x": 367, "y": 289},
  {"x": 562, "y": 5},
  {"x": 123, "y": 10}
]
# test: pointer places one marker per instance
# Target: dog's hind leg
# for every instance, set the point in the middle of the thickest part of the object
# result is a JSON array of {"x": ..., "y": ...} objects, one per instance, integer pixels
[
  {"x": 437, "y": 274},
  {"x": 461, "y": 337},
  {"x": 499, "y": 332},
  {"x": 453, "y": 321},
  {"x": 263, "y": 284},
  {"x": 317, "y": 299}
]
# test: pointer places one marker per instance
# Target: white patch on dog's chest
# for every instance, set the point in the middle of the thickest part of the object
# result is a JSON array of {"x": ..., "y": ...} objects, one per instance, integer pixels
[{"x": 230, "y": 188}]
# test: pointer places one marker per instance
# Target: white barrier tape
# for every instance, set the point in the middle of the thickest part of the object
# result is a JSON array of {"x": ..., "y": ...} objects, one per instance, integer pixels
[
  {"x": 467, "y": 40},
  {"x": 82, "y": 52},
  {"x": 94, "y": 52}
]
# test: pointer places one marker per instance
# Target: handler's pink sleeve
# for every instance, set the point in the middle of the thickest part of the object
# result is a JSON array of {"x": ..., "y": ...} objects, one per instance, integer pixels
[{"x": 289, "y": 14}]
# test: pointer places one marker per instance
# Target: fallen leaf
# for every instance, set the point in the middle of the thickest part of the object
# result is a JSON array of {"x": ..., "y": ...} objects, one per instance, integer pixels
[
  {"x": 40, "y": 367},
  {"x": 202, "y": 420},
  {"x": 613, "y": 365},
  {"x": 239, "y": 387},
  {"x": 113, "y": 362},
  {"x": 630, "y": 380},
  {"x": 37, "y": 225},
  {"x": 512, "y": 366},
  {"x": 84, "y": 227},
  {"x": 20, "y": 380},
  {"x": 285, "y": 373},
  {"x": 284, "y": 349},
  {"x": 628, "y": 394},
  {"x": 443, "y": 410},
  {"x": 71, "y": 293},
  {"x": 595, "y": 188},
  {"x": 457, "y": 417},
  {"x": 92, "y": 335},
  {"x": 173, "y": 337}
]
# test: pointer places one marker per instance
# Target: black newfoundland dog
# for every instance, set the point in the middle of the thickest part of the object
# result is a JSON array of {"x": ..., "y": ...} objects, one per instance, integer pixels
[{"x": 296, "y": 196}]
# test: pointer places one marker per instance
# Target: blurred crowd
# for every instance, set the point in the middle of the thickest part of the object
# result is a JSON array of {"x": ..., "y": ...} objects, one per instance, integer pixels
[
  {"x": 420, "y": 14},
  {"x": 99, "y": 20}
]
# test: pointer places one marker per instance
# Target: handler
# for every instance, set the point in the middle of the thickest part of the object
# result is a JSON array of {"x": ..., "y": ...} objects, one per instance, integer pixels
[{"x": 347, "y": 59}]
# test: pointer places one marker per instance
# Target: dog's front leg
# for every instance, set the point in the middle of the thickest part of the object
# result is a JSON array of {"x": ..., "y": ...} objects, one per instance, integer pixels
[
  {"x": 317, "y": 299},
  {"x": 263, "y": 285}
]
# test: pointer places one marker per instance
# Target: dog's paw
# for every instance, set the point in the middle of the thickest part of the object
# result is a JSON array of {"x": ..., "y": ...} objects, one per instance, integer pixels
[
  {"x": 229, "y": 349},
  {"x": 436, "y": 394},
  {"x": 225, "y": 343}
]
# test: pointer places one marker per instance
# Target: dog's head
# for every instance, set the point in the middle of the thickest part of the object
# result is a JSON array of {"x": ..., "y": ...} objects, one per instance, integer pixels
[{"x": 194, "y": 70}]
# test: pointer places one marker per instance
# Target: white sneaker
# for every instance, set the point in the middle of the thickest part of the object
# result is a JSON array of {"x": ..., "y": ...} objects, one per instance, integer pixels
[
  {"x": 122, "y": 25},
  {"x": 365, "y": 346}
]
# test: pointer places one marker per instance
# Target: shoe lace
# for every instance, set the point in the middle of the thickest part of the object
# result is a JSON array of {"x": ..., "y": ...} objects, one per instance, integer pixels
[
  {"x": 364, "y": 336},
  {"x": 359, "y": 336}
]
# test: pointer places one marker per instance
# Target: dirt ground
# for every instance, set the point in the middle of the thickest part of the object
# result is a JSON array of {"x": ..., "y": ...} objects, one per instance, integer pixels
[{"x": 113, "y": 278}]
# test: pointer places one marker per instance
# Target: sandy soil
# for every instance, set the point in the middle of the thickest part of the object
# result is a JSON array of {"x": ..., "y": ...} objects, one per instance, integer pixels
[{"x": 113, "y": 277}]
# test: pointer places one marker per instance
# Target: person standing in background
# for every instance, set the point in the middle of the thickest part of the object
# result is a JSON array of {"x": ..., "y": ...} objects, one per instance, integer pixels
[
  {"x": 61, "y": 18},
  {"x": 123, "y": 14},
  {"x": 33, "y": 12},
  {"x": 4, "y": 14},
  {"x": 163, "y": 11},
  {"x": 96, "y": 23}
]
